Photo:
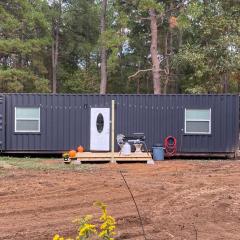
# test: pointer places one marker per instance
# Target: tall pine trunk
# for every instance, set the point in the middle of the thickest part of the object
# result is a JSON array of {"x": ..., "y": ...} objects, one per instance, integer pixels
[
  {"x": 55, "y": 44},
  {"x": 103, "y": 84},
  {"x": 55, "y": 61},
  {"x": 167, "y": 63},
  {"x": 154, "y": 52}
]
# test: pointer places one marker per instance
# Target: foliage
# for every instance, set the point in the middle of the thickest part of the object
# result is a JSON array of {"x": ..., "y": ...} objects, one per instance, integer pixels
[
  {"x": 20, "y": 80},
  {"x": 78, "y": 68},
  {"x": 84, "y": 81},
  {"x": 145, "y": 5},
  {"x": 114, "y": 37},
  {"x": 87, "y": 230},
  {"x": 211, "y": 56},
  {"x": 24, "y": 37},
  {"x": 200, "y": 54}
]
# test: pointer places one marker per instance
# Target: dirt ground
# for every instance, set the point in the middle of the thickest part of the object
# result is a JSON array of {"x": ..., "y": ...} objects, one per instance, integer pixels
[{"x": 177, "y": 200}]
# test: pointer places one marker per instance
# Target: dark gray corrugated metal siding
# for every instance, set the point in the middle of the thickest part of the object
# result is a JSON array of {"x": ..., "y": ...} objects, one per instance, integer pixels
[
  {"x": 2, "y": 123},
  {"x": 161, "y": 116},
  {"x": 65, "y": 120}
]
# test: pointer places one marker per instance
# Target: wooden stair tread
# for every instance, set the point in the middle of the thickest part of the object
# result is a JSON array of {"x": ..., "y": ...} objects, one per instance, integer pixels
[
  {"x": 107, "y": 156},
  {"x": 116, "y": 159}
]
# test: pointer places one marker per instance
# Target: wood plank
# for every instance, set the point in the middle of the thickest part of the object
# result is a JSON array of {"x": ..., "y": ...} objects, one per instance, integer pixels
[
  {"x": 107, "y": 157},
  {"x": 109, "y": 154},
  {"x": 94, "y": 160},
  {"x": 109, "y": 160},
  {"x": 133, "y": 159}
]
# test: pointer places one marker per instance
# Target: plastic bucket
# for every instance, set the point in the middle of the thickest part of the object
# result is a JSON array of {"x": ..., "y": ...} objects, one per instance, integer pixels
[
  {"x": 126, "y": 149},
  {"x": 158, "y": 153}
]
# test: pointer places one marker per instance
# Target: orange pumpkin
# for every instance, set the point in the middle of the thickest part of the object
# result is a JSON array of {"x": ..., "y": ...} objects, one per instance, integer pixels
[
  {"x": 72, "y": 153},
  {"x": 80, "y": 149},
  {"x": 172, "y": 22}
]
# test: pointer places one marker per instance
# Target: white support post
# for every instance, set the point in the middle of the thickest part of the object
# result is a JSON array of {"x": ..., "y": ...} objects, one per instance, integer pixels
[{"x": 113, "y": 132}]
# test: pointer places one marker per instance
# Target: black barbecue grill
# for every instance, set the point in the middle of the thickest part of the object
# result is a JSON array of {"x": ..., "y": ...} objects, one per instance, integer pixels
[{"x": 135, "y": 138}]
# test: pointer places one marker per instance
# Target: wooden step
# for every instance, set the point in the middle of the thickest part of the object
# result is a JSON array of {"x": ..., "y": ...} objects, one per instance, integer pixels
[{"x": 107, "y": 156}]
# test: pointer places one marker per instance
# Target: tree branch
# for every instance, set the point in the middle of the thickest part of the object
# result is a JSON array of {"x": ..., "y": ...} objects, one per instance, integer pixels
[
  {"x": 139, "y": 71},
  {"x": 176, "y": 7}
]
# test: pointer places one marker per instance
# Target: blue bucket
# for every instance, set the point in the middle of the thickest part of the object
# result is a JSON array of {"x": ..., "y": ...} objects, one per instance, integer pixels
[{"x": 158, "y": 153}]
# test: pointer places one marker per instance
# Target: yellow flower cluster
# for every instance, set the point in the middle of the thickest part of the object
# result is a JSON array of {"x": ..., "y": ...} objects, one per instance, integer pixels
[
  {"x": 108, "y": 225},
  {"x": 86, "y": 230},
  {"x": 57, "y": 237}
]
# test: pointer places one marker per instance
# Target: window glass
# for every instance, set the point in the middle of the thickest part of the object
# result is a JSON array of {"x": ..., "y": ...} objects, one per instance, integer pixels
[
  {"x": 27, "y": 119},
  {"x": 198, "y": 121},
  {"x": 27, "y": 125},
  {"x": 198, "y": 114},
  {"x": 27, "y": 113},
  {"x": 197, "y": 127}
]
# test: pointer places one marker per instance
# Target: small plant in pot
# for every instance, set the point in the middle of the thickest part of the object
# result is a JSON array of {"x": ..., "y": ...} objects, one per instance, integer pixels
[{"x": 66, "y": 157}]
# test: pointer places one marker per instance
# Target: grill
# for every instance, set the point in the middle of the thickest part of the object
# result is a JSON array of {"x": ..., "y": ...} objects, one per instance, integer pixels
[{"x": 136, "y": 139}]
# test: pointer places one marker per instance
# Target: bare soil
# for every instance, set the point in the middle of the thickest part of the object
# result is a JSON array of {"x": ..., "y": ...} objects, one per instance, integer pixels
[{"x": 197, "y": 200}]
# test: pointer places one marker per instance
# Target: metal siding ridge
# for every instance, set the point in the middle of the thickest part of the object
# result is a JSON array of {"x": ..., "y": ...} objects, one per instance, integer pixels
[
  {"x": 9, "y": 122},
  {"x": 87, "y": 119},
  {"x": 236, "y": 121},
  {"x": 19, "y": 137},
  {"x": 74, "y": 113},
  {"x": 54, "y": 129}
]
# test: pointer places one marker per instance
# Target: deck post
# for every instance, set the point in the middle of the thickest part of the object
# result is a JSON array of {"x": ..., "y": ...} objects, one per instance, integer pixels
[{"x": 113, "y": 132}]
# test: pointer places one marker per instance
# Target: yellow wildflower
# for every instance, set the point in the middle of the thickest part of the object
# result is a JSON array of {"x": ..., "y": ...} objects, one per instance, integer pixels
[{"x": 56, "y": 237}]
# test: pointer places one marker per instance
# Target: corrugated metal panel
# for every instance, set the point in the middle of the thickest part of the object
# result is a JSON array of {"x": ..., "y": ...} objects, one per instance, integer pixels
[
  {"x": 65, "y": 120},
  {"x": 2, "y": 122}
]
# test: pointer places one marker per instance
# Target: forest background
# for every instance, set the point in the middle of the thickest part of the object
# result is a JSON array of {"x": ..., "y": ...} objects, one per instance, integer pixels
[{"x": 121, "y": 46}]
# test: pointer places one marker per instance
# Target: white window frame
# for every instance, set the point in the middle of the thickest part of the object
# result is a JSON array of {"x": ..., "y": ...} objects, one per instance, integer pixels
[
  {"x": 27, "y": 131},
  {"x": 198, "y": 120}
]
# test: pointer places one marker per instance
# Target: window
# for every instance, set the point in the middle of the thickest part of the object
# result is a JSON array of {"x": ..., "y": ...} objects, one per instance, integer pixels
[
  {"x": 27, "y": 119},
  {"x": 198, "y": 121},
  {"x": 100, "y": 122}
]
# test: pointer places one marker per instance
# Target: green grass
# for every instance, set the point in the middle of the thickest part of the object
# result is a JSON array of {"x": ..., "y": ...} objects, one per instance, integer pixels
[{"x": 37, "y": 164}]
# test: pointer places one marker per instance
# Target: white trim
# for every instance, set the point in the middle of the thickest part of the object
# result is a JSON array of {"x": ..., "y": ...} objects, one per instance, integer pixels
[
  {"x": 198, "y": 120},
  {"x": 27, "y": 119}
]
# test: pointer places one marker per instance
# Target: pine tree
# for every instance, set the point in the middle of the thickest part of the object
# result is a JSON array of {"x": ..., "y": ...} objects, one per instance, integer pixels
[{"x": 24, "y": 38}]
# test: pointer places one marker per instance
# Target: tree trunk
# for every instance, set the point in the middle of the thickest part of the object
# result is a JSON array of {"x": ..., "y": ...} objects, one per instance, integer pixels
[
  {"x": 55, "y": 44},
  {"x": 167, "y": 63},
  {"x": 54, "y": 63},
  {"x": 225, "y": 82},
  {"x": 154, "y": 53},
  {"x": 103, "y": 84}
]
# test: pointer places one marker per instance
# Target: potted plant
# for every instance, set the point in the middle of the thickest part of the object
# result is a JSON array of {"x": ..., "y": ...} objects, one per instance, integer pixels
[{"x": 66, "y": 158}]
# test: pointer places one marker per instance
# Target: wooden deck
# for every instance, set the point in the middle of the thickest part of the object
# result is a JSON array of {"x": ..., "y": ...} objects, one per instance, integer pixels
[{"x": 107, "y": 156}]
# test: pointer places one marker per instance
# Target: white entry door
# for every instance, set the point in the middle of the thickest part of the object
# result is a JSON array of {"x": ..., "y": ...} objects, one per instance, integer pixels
[{"x": 100, "y": 129}]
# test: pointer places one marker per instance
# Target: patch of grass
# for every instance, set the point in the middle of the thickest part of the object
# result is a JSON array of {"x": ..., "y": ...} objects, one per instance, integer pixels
[
  {"x": 2, "y": 172},
  {"x": 38, "y": 164}
]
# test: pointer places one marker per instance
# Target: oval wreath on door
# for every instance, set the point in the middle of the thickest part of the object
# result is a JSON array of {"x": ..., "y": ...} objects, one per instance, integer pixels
[{"x": 100, "y": 123}]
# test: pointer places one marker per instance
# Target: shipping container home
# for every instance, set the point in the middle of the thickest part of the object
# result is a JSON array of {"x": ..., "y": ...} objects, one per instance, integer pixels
[{"x": 53, "y": 123}]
